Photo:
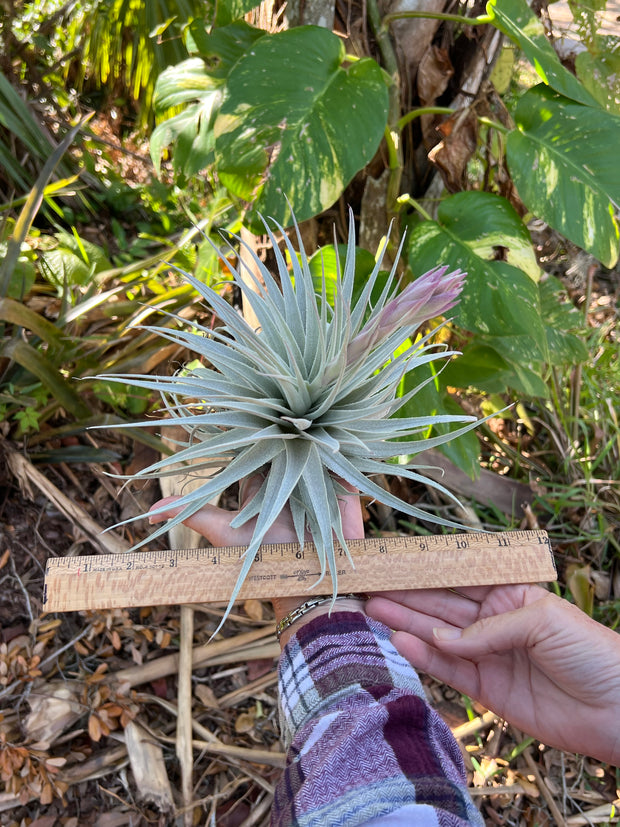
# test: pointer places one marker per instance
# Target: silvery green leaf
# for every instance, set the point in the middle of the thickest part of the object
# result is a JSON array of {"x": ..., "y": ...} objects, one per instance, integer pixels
[{"x": 348, "y": 471}]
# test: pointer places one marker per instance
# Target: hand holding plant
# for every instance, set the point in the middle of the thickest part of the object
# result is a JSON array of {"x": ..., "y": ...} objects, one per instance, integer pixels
[{"x": 215, "y": 525}]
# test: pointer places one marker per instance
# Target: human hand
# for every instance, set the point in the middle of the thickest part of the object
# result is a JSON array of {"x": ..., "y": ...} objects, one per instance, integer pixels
[
  {"x": 529, "y": 656},
  {"x": 214, "y": 524}
]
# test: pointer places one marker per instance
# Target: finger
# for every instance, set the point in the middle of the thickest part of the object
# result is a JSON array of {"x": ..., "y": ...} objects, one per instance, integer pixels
[
  {"x": 159, "y": 517},
  {"x": 351, "y": 514},
  {"x": 503, "y": 598},
  {"x": 401, "y": 618},
  {"x": 249, "y": 487},
  {"x": 521, "y": 628},
  {"x": 456, "y": 672},
  {"x": 441, "y": 604},
  {"x": 210, "y": 521}
]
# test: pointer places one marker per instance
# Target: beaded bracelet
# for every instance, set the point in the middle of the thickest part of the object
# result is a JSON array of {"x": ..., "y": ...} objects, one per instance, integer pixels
[{"x": 304, "y": 608}]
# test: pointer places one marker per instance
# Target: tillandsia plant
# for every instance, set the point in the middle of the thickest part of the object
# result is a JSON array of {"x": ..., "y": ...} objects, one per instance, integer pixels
[{"x": 306, "y": 400}]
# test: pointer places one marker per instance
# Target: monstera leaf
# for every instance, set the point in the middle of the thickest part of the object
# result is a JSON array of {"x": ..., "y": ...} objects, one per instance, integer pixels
[{"x": 297, "y": 123}]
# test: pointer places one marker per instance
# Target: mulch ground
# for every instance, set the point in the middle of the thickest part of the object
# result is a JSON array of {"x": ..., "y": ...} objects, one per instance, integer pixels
[{"x": 91, "y": 702}]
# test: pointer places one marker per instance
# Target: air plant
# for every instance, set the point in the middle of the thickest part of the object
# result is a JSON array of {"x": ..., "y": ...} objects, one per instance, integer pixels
[{"x": 307, "y": 400}]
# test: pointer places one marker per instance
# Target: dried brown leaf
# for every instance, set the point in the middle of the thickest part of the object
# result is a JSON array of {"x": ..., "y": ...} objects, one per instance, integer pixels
[
  {"x": 54, "y": 707},
  {"x": 81, "y": 648},
  {"x": 94, "y": 728},
  {"x": 54, "y": 762},
  {"x": 453, "y": 153},
  {"x": 163, "y": 639},
  {"x": 434, "y": 73},
  {"x": 530, "y": 787},
  {"x": 245, "y": 722},
  {"x": 47, "y": 794},
  {"x": 206, "y": 696}
]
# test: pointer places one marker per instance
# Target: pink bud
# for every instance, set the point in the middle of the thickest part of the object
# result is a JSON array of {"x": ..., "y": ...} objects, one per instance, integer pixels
[{"x": 433, "y": 294}]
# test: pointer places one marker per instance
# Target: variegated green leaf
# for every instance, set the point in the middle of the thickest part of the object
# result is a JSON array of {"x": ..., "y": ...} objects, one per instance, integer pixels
[
  {"x": 562, "y": 164},
  {"x": 294, "y": 108},
  {"x": 516, "y": 19}
]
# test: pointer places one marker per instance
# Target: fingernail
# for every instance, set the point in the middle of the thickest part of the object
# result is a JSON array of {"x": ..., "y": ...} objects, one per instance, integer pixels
[{"x": 447, "y": 633}]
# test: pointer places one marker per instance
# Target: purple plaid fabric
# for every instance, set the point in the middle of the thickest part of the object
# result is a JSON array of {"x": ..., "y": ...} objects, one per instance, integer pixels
[{"x": 364, "y": 746}]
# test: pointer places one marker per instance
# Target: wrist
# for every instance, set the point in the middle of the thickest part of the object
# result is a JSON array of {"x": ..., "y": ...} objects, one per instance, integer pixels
[{"x": 293, "y": 613}]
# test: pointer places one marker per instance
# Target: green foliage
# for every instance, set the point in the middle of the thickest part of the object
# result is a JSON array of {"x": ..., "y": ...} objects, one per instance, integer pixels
[
  {"x": 561, "y": 161},
  {"x": 25, "y": 145},
  {"x": 279, "y": 115},
  {"x": 296, "y": 124},
  {"x": 598, "y": 66},
  {"x": 41, "y": 357},
  {"x": 503, "y": 303},
  {"x": 123, "y": 45},
  {"x": 198, "y": 84},
  {"x": 518, "y": 21},
  {"x": 29, "y": 211},
  {"x": 267, "y": 117},
  {"x": 473, "y": 228},
  {"x": 192, "y": 129}
]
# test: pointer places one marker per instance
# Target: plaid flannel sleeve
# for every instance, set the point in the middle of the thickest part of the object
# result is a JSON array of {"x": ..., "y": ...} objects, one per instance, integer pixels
[{"x": 363, "y": 745}]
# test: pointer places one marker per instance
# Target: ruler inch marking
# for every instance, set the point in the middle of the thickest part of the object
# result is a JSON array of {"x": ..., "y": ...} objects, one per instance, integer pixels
[{"x": 176, "y": 576}]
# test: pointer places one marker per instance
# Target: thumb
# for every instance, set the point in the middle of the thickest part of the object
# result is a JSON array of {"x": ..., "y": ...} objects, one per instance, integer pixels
[
  {"x": 210, "y": 521},
  {"x": 517, "y": 629}
]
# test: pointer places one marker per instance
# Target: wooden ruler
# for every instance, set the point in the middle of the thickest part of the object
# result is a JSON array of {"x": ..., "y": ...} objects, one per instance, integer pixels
[{"x": 169, "y": 577}]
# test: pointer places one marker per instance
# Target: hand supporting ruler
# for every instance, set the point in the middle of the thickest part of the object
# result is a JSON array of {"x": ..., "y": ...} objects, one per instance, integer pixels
[{"x": 170, "y": 577}]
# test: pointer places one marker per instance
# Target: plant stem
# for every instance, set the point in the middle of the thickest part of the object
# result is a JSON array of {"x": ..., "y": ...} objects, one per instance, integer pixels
[
  {"x": 577, "y": 375},
  {"x": 407, "y": 199},
  {"x": 423, "y": 110},
  {"x": 494, "y": 125},
  {"x": 383, "y": 41},
  {"x": 392, "y": 140},
  {"x": 455, "y": 18},
  {"x": 392, "y": 137}
]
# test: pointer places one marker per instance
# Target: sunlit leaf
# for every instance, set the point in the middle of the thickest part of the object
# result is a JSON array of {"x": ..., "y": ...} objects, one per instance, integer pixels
[
  {"x": 517, "y": 20},
  {"x": 35, "y": 362},
  {"x": 298, "y": 124},
  {"x": 564, "y": 163},
  {"x": 18, "y": 314},
  {"x": 32, "y": 205}
]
